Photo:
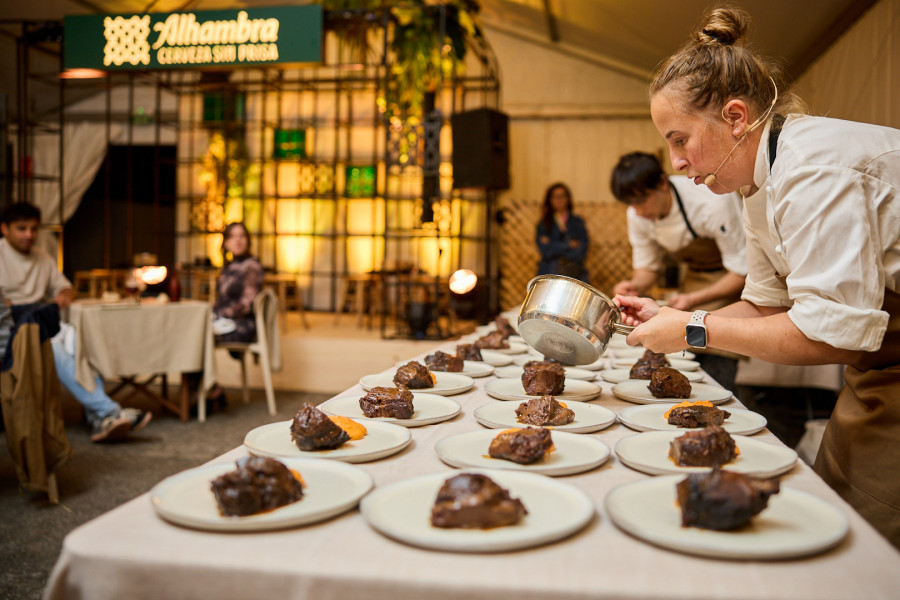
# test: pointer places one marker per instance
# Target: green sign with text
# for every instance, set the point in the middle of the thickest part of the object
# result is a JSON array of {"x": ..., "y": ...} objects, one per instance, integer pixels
[{"x": 192, "y": 39}]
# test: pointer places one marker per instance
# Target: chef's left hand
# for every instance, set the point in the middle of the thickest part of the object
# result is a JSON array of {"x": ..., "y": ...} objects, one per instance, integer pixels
[{"x": 663, "y": 333}]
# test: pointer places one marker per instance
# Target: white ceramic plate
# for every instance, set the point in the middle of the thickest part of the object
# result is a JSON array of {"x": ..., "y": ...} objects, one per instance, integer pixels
[
  {"x": 676, "y": 363},
  {"x": 649, "y": 453},
  {"x": 477, "y": 368},
  {"x": 511, "y": 389},
  {"x": 636, "y": 390},
  {"x": 649, "y": 417},
  {"x": 620, "y": 375},
  {"x": 514, "y": 348},
  {"x": 571, "y": 372},
  {"x": 446, "y": 384},
  {"x": 598, "y": 364},
  {"x": 495, "y": 359},
  {"x": 382, "y": 439},
  {"x": 588, "y": 417},
  {"x": 619, "y": 341},
  {"x": 427, "y": 410},
  {"x": 516, "y": 338},
  {"x": 330, "y": 489},
  {"x": 793, "y": 524},
  {"x": 402, "y": 511},
  {"x": 638, "y": 351},
  {"x": 574, "y": 453}
]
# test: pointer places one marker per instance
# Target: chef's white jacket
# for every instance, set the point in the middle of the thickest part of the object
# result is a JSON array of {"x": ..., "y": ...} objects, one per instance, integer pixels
[
  {"x": 711, "y": 216},
  {"x": 823, "y": 229}
]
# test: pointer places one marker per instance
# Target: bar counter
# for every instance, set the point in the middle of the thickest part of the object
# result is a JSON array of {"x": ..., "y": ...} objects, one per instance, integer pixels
[{"x": 130, "y": 552}]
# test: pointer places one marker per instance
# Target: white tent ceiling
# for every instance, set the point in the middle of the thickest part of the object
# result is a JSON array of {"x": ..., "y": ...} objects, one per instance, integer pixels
[{"x": 628, "y": 35}]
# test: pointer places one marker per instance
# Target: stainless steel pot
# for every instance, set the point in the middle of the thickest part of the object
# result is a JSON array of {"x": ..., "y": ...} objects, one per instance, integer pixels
[{"x": 568, "y": 320}]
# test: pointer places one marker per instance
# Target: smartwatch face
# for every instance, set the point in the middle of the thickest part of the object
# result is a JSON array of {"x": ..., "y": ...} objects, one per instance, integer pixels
[{"x": 695, "y": 336}]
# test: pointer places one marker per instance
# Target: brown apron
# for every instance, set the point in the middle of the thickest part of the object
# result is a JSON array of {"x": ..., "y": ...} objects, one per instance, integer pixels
[
  {"x": 859, "y": 454},
  {"x": 704, "y": 268}
]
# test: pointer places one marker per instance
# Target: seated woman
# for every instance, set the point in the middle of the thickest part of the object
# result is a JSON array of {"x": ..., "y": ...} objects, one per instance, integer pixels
[{"x": 238, "y": 284}]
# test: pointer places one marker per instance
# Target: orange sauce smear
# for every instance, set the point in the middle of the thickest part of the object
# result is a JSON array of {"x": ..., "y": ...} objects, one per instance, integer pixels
[
  {"x": 687, "y": 403},
  {"x": 355, "y": 430}
]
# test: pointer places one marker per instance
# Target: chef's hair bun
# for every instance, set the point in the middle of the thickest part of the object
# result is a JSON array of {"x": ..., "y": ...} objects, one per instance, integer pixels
[{"x": 725, "y": 26}]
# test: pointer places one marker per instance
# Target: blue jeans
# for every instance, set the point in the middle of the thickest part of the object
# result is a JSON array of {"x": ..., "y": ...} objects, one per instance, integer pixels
[{"x": 97, "y": 405}]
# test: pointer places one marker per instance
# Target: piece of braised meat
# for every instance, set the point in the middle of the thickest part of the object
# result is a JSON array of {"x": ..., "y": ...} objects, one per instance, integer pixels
[
  {"x": 542, "y": 378},
  {"x": 491, "y": 341},
  {"x": 523, "y": 446},
  {"x": 311, "y": 429},
  {"x": 666, "y": 382},
  {"x": 441, "y": 361},
  {"x": 468, "y": 352},
  {"x": 697, "y": 415},
  {"x": 644, "y": 367},
  {"x": 257, "y": 485},
  {"x": 722, "y": 500},
  {"x": 503, "y": 326},
  {"x": 475, "y": 501},
  {"x": 414, "y": 375},
  {"x": 390, "y": 402},
  {"x": 545, "y": 410},
  {"x": 703, "y": 448}
]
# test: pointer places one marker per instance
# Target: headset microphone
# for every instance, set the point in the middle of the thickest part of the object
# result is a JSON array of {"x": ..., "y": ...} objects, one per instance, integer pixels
[{"x": 711, "y": 178}]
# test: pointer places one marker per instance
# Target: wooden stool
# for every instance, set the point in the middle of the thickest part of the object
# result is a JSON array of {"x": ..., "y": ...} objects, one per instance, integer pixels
[{"x": 362, "y": 291}]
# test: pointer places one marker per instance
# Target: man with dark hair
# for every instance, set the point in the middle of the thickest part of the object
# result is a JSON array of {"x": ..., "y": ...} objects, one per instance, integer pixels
[
  {"x": 701, "y": 231},
  {"x": 29, "y": 275}
]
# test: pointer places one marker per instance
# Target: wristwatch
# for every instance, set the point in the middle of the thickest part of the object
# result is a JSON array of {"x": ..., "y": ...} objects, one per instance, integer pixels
[{"x": 695, "y": 331}]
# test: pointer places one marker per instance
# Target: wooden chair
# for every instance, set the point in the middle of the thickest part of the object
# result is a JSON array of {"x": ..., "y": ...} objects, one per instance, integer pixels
[{"x": 266, "y": 349}]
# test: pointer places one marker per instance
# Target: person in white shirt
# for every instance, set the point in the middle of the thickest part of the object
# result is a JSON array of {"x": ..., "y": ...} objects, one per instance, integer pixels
[
  {"x": 703, "y": 232},
  {"x": 29, "y": 275},
  {"x": 822, "y": 218}
]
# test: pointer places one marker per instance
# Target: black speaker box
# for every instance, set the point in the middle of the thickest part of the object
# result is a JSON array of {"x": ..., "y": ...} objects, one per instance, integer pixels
[{"x": 480, "y": 149}]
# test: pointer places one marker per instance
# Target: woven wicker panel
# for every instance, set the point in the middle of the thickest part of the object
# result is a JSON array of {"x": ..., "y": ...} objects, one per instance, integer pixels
[{"x": 609, "y": 253}]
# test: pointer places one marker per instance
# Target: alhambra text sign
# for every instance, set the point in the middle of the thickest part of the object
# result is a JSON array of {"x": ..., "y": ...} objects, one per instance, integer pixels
[{"x": 192, "y": 39}]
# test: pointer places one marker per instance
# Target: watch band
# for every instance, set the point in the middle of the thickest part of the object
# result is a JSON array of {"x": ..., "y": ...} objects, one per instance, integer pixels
[{"x": 698, "y": 318}]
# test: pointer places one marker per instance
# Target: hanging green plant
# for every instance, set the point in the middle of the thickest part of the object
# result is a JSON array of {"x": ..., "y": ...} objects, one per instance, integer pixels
[{"x": 421, "y": 57}]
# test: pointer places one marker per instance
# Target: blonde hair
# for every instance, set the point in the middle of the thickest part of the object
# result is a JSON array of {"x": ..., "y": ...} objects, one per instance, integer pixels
[{"x": 718, "y": 64}]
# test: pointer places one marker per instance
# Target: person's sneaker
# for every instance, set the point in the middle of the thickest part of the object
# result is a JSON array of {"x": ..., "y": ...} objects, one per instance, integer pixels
[
  {"x": 111, "y": 428},
  {"x": 137, "y": 418}
]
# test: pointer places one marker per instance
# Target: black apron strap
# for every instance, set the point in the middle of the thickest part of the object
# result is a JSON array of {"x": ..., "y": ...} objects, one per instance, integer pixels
[
  {"x": 774, "y": 132},
  {"x": 683, "y": 212}
]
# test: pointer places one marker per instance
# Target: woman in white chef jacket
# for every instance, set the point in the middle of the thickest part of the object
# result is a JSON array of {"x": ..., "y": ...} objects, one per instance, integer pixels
[
  {"x": 822, "y": 220},
  {"x": 698, "y": 229}
]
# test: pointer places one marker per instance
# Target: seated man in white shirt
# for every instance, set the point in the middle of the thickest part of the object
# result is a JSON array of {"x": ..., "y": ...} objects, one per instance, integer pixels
[{"x": 29, "y": 275}]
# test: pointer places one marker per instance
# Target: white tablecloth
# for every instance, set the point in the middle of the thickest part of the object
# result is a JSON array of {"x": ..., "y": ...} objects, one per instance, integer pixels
[
  {"x": 131, "y": 553},
  {"x": 134, "y": 339}
]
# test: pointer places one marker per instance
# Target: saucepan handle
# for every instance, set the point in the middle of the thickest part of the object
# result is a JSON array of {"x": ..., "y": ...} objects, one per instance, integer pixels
[{"x": 622, "y": 328}]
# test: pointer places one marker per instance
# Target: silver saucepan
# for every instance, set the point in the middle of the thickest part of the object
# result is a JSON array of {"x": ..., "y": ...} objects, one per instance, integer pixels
[{"x": 568, "y": 320}]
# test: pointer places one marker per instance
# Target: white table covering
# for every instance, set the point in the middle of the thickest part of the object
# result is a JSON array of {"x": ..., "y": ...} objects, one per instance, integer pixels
[
  {"x": 131, "y": 553},
  {"x": 125, "y": 339}
]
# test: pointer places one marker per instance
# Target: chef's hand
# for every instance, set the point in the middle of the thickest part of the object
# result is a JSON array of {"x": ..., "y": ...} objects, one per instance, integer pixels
[
  {"x": 574, "y": 243},
  {"x": 681, "y": 302},
  {"x": 64, "y": 298},
  {"x": 626, "y": 288},
  {"x": 636, "y": 310},
  {"x": 663, "y": 333},
  {"x": 544, "y": 239}
]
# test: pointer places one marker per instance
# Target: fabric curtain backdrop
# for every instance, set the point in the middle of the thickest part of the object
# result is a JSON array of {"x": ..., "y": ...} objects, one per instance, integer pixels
[{"x": 84, "y": 148}]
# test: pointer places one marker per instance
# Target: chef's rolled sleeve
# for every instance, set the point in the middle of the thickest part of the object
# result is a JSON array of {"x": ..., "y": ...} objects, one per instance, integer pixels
[{"x": 839, "y": 325}]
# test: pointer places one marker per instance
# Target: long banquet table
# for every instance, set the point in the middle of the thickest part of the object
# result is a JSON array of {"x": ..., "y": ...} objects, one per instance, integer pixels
[{"x": 132, "y": 553}]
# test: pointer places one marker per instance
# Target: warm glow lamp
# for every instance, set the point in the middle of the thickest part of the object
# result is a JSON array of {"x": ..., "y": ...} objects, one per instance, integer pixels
[{"x": 463, "y": 281}]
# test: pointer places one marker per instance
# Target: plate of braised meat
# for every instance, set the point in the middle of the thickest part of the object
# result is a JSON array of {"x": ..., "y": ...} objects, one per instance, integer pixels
[
  {"x": 394, "y": 405},
  {"x": 726, "y": 515},
  {"x": 258, "y": 494},
  {"x": 478, "y": 511}
]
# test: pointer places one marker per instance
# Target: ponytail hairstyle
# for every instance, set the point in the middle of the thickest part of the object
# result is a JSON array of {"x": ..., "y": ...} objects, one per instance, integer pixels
[
  {"x": 717, "y": 64},
  {"x": 547, "y": 214}
]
